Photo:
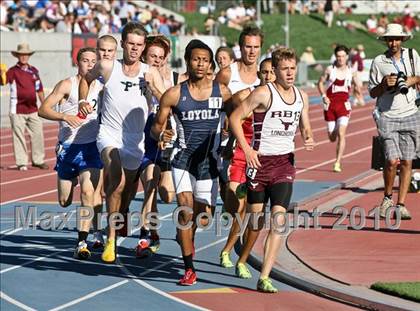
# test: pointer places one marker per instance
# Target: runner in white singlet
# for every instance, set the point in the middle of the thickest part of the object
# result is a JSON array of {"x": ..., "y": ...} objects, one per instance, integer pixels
[
  {"x": 238, "y": 76},
  {"x": 123, "y": 117},
  {"x": 77, "y": 154}
]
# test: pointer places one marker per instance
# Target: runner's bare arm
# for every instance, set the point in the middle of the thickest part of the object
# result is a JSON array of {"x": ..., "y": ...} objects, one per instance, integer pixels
[
  {"x": 305, "y": 125},
  {"x": 61, "y": 92},
  {"x": 168, "y": 100},
  {"x": 227, "y": 99},
  {"x": 155, "y": 82},
  {"x": 223, "y": 76},
  {"x": 259, "y": 100},
  {"x": 321, "y": 82}
]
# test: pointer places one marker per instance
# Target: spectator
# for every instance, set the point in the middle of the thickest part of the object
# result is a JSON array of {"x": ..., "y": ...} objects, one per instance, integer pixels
[
  {"x": 361, "y": 50},
  {"x": 236, "y": 50},
  {"x": 409, "y": 23},
  {"x": 356, "y": 61},
  {"x": 25, "y": 85},
  {"x": 65, "y": 25},
  {"x": 329, "y": 13},
  {"x": 209, "y": 25},
  {"x": 164, "y": 29},
  {"x": 396, "y": 115},
  {"x": 382, "y": 23},
  {"x": 372, "y": 24},
  {"x": 308, "y": 58}
]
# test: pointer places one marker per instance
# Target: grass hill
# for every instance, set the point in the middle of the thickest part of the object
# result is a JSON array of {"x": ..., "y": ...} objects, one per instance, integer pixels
[{"x": 307, "y": 31}]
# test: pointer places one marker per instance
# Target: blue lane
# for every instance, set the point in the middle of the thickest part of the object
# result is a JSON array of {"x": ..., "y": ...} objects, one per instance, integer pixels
[{"x": 59, "y": 279}]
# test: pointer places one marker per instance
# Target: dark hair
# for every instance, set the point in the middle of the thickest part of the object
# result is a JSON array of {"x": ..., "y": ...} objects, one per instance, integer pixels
[
  {"x": 250, "y": 31},
  {"x": 213, "y": 65},
  {"x": 84, "y": 50},
  {"x": 160, "y": 41},
  {"x": 268, "y": 59},
  {"x": 227, "y": 50},
  {"x": 135, "y": 28},
  {"x": 196, "y": 44},
  {"x": 341, "y": 47},
  {"x": 282, "y": 54}
]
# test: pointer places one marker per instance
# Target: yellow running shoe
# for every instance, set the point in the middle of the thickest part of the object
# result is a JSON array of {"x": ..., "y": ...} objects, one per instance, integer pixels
[
  {"x": 337, "y": 167},
  {"x": 108, "y": 254},
  {"x": 225, "y": 261},
  {"x": 266, "y": 286},
  {"x": 242, "y": 271}
]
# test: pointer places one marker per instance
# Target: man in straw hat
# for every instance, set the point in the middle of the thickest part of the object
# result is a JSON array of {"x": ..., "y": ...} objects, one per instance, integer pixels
[
  {"x": 393, "y": 78},
  {"x": 25, "y": 85}
]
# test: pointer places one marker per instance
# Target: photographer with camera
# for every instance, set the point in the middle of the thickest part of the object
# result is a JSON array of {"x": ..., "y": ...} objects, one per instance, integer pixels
[{"x": 393, "y": 79}]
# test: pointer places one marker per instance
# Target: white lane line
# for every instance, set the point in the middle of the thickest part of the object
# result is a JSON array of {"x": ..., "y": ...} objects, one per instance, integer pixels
[
  {"x": 29, "y": 150},
  {"x": 158, "y": 291},
  {"x": 45, "y": 139},
  {"x": 322, "y": 142},
  {"x": 318, "y": 129},
  {"x": 15, "y": 302},
  {"x": 27, "y": 178},
  {"x": 28, "y": 197},
  {"x": 8, "y": 232},
  {"x": 90, "y": 295},
  {"x": 5, "y": 136},
  {"x": 297, "y": 149},
  {"x": 333, "y": 160},
  {"x": 34, "y": 260}
]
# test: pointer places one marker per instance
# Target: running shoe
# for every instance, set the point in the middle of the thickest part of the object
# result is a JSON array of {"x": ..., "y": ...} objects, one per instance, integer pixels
[
  {"x": 142, "y": 249},
  {"x": 266, "y": 286},
  {"x": 190, "y": 278},
  {"x": 108, "y": 254},
  {"x": 404, "y": 213},
  {"x": 154, "y": 244},
  {"x": 385, "y": 205},
  {"x": 337, "y": 167},
  {"x": 242, "y": 271},
  {"x": 81, "y": 252},
  {"x": 225, "y": 261},
  {"x": 98, "y": 240}
]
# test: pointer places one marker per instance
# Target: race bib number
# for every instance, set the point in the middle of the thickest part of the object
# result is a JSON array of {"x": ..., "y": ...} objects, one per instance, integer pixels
[
  {"x": 251, "y": 172},
  {"x": 347, "y": 104},
  {"x": 215, "y": 102}
]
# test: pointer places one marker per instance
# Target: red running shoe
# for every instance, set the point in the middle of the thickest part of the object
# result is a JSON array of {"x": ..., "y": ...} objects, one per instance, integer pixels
[
  {"x": 190, "y": 278},
  {"x": 142, "y": 249}
]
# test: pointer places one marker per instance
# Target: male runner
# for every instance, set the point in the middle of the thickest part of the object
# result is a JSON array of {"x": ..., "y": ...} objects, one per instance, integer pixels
[
  {"x": 336, "y": 102},
  {"x": 156, "y": 167},
  {"x": 123, "y": 116},
  {"x": 77, "y": 154},
  {"x": 196, "y": 105},
  {"x": 238, "y": 76},
  {"x": 237, "y": 176},
  {"x": 278, "y": 109}
]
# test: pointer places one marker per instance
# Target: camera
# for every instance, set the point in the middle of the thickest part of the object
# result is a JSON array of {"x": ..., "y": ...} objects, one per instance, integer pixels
[{"x": 401, "y": 83}]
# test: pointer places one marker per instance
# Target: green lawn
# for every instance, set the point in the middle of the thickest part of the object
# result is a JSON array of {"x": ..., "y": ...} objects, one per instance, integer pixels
[
  {"x": 408, "y": 290},
  {"x": 306, "y": 31}
]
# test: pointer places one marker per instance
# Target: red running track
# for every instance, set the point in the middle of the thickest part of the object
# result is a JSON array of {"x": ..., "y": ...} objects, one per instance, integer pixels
[{"x": 40, "y": 185}]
